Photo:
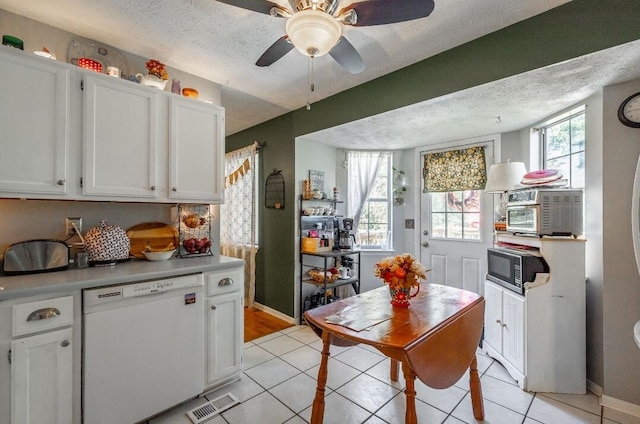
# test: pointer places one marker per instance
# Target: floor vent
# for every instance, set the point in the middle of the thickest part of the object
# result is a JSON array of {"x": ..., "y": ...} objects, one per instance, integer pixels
[{"x": 212, "y": 408}]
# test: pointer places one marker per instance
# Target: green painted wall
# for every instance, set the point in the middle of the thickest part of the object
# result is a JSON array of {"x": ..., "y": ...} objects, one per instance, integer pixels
[{"x": 574, "y": 29}]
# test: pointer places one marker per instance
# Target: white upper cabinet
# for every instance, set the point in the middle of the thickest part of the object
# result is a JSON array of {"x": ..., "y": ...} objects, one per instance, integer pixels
[
  {"x": 112, "y": 139},
  {"x": 34, "y": 123},
  {"x": 120, "y": 136},
  {"x": 196, "y": 151}
]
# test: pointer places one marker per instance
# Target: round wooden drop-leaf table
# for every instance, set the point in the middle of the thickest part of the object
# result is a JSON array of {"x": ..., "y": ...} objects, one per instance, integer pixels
[{"x": 435, "y": 339}]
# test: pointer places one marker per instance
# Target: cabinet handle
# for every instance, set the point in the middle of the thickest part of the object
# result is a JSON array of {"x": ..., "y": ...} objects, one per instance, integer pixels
[
  {"x": 498, "y": 322},
  {"x": 213, "y": 307},
  {"x": 152, "y": 188},
  {"x": 504, "y": 325},
  {"x": 9, "y": 356},
  {"x": 60, "y": 182},
  {"x": 174, "y": 189},
  {"x": 225, "y": 282},
  {"x": 65, "y": 343},
  {"x": 44, "y": 313}
]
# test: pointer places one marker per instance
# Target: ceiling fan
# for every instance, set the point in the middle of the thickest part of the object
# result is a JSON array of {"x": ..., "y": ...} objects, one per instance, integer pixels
[{"x": 314, "y": 27}]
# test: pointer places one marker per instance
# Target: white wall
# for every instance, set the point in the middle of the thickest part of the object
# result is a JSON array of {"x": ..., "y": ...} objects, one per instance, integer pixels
[
  {"x": 310, "y": 155},
  {"x": 613, "y": 283},
  {"x": 36, "y": 35},
  {"x": 593, "y": 224},
  {"x": 621, "y": 286}
]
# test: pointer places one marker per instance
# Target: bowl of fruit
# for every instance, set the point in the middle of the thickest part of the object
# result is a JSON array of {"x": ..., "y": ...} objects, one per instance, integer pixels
[
  {"x": 197, "y": 245},
  {"x": 162, "y": 254}
]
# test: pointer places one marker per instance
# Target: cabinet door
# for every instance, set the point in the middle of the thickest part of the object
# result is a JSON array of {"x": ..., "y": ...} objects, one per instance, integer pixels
[
  {"x": 120, "y": 133},
  {"x": 41, "y": 378},
  {"x": 34, "y": 122},
  {"x": 493, "y": 316},
  {"x": 225, "y": 337},
  {"x": 513, "y": 329},
  {"x": 196, "y": 151}
]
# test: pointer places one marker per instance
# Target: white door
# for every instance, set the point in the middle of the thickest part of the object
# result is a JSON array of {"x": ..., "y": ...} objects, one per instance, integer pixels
[
  {"x": 453, "y": 260},
  {"x": 196, "y": 151},
  {"x": 225, "y": 328},
  {"x": 41, "y": 378},
  {"x": 34, "y": 123},
  {"x": 120, "y": 138},
  {"x": 513, "y": 329},
  {"x": 493, "y": 316}
]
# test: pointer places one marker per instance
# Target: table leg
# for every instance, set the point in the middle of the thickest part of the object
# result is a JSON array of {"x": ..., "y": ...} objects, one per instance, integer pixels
[
  {"x": 394, "y": 370},
  {"x": 476, "y": 391},
  {"x": 410, "y": 416},
  {"x": 317, "y": 413}
]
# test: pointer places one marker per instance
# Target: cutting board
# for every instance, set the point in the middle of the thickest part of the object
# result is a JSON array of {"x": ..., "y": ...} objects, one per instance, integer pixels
[{"x": 156, "y": 234}]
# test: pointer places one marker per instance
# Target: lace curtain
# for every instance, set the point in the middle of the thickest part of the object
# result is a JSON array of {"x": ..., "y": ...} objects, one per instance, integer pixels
[
  {"x": 363, "y": 167},
  {"x": 455, "y": 170},
  {"x": 237, "y": 214}
]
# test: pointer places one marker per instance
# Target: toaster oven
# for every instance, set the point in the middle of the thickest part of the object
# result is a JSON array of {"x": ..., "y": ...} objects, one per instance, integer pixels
[{"x": 545, "y": 211}]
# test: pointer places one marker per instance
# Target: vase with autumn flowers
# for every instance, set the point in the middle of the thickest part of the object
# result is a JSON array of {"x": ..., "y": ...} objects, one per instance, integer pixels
[
  {"x": 157, "y": 76},
  {"x": 401, "y": 273}
]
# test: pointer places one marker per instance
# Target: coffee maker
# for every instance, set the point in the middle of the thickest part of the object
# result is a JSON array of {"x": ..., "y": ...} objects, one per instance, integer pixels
[{"x": 345, "y": 239}]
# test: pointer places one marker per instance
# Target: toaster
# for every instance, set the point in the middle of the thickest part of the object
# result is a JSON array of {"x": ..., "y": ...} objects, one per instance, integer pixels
[{"x": 35, "y": 256}]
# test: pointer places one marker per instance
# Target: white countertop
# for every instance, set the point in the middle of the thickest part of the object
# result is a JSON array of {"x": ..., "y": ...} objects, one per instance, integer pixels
[{"x": 126, "y": 272}]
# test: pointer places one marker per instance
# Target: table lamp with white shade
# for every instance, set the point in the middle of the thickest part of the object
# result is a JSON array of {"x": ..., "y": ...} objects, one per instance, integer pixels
[{"x": 502, "y": 178}]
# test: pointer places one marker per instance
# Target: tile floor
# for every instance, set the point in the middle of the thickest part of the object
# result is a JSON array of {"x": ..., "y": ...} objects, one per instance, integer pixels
[{"x": 279, "y": 380}]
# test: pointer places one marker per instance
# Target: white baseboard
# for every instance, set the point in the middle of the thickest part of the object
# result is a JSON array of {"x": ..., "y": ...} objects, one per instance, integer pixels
[
  {"x": 594, "y": 388},
  {"x": 620, "y": 405},
  {"x": 275, "y": 313}
]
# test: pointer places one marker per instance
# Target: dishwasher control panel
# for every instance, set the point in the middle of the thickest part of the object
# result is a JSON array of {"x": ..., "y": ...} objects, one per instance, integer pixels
[
  {"x": 160, "y": 286},
  {"x": 139, "y": 289}
]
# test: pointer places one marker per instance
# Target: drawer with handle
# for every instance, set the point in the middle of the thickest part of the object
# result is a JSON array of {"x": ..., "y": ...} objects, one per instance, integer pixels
[
  {"x": 224, "y": 281},
  {"x": 32, "y": 317}
]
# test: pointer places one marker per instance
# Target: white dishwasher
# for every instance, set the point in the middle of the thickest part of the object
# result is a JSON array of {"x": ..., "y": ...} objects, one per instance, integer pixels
[{"x": 143, "y": 348}]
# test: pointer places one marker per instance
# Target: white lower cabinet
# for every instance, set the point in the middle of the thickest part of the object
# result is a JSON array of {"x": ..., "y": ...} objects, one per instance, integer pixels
[
  {"x": 504, "y": 326},
  {"x": 225, "y": 325},
  {"x": 41, "y": 378},
  {"x": 540, "y": 337},
  {"x": 40, "y": 362}
]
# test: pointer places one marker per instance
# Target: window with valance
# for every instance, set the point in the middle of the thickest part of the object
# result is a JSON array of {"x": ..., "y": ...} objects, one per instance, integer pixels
[{"x": 455, "y": 170}]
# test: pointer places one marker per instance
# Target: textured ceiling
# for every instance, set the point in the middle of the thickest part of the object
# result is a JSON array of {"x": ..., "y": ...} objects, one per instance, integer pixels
[
  {"x": 221, "y": 43},
  {"x": 502, "y": 106}
]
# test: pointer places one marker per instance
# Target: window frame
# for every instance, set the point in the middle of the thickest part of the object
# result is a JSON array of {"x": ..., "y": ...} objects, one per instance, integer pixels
[
  {"x": 542, "y": 136},
  {"x": 389, "y": 202},
  {"x": 462, "y": 214}
]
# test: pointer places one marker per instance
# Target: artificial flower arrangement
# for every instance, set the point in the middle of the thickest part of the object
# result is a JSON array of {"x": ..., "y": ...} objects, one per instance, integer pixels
[
  {"x": 400, "y": 271},
  {"x": 156, "y": 68}
]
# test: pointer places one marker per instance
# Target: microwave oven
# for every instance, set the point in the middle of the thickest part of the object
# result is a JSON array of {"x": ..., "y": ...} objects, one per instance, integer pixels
[
  {"x": 511, "y": 268},
  {"x": 550, "y": 211}
]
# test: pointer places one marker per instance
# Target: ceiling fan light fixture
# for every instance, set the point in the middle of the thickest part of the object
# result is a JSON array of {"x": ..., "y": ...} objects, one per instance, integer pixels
[{"x": 312, "y": 32}]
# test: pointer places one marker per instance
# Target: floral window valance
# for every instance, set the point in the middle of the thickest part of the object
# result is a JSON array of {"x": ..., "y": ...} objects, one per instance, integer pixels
[{"x": 454, "y": 170}]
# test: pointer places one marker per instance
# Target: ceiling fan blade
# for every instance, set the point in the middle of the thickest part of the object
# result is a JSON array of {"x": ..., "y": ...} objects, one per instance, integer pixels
[
  {"x": 347, "y": 56},
  {"x": 260, "y": 6},
  {"x": 380, "y": 12},
  {"x": 275, "y": 52}
]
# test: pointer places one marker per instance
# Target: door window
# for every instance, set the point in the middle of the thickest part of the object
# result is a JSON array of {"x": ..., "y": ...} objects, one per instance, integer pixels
[{"x": 456, "y": 215}]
